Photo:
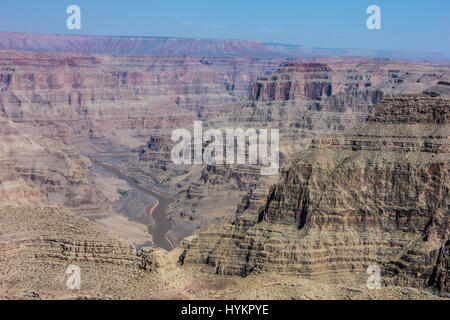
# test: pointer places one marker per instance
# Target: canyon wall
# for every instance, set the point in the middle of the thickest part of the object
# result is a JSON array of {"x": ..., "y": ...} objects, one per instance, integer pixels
[
  {"x": 57, "y": 107},
  {"x": 302, "y": 99},
  {"x": 91, "y": 94},
  {"x": 37, "y": 245},
  {"x": 363, "y": 154},
  {"x": 376, "y": 195}
]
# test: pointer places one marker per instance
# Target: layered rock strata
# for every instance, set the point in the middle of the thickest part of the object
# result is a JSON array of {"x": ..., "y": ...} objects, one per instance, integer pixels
[
  {"x": 37, "y": 246},
  {"x": 302, "y": 99},
  {"x": 376, "y": 195}
]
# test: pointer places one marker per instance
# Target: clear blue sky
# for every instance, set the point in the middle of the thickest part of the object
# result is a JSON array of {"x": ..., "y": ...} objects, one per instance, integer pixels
[{"x": 416, "y": 25}]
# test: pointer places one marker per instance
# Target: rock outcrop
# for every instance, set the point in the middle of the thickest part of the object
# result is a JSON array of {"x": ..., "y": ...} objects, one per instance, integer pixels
[
  {"x": 41, "y": 249},
  {"x": 37, "y": 245},
  {"x": 90, "y": 97},
  {"x": 376, "y": 195},
  {"x": 302, "y": 99},
  {"x": 37, "y": 170}
]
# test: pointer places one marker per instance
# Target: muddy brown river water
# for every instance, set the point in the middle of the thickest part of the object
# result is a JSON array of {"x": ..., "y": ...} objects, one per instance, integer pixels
[{"x": 162, "y": 222}]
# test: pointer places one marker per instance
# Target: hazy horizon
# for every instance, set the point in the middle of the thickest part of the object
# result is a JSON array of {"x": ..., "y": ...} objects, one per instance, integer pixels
[{"x": 315, "y": 25}]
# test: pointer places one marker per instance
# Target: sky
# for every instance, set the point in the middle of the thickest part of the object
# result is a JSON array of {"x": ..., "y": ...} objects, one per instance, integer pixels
[{"x": 412, "y": 25}]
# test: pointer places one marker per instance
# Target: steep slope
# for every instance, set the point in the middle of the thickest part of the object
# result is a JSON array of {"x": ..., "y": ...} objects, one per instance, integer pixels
[
  {"x": 37, "y": 246},
  {"x": 378, "y": 194},
  {"x": 90, "y": 97},
  {"x": 38, "y": 169},
  {"x": 302, "y": 99}
]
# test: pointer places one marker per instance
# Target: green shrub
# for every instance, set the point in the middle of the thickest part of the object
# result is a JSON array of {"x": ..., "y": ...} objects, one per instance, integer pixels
[{"x": 122, "y": 192}]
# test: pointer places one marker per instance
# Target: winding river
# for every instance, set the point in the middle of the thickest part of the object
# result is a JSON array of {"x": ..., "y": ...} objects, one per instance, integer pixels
[{"x": 157, "y": 211}]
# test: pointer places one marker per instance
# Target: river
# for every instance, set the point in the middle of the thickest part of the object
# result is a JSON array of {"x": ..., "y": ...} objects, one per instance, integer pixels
[{"x": 158, "y": 211}]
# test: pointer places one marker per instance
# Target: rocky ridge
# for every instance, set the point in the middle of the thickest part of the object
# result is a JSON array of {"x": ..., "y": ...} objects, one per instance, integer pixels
[
  {"x": 93, "y": 98},
  {"x": 184, "y": 46},
  {"x": 373, "y": 195},
  {"x": 37, "y": 245},
  {"x": 302, "y": 99}
]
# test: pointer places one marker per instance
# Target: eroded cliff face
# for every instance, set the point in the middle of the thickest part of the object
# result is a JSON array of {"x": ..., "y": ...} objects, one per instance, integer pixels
[
  {"x": 302, "y": 99},
  {"x": 37, "y": 245},
  {"x": 38, "y": 170},
  {"x": 92, "y": 95},
  {"x": 332, "y": 94},
  {"x": 376, "y": 195},
  {"x": 292, "y": 82},
  {"x": 61, "y": 106}
]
